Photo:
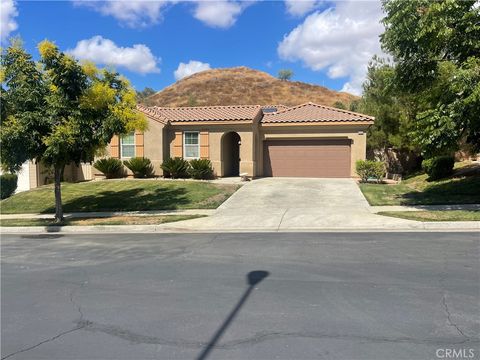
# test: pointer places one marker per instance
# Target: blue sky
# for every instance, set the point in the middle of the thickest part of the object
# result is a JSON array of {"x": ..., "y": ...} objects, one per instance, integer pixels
[{"x": 325, "y": 43}]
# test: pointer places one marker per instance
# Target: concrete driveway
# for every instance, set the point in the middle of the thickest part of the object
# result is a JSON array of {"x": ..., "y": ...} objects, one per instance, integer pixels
[{"x": 295, "y": 204}]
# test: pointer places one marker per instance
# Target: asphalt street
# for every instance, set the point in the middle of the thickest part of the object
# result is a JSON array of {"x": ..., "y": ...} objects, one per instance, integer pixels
[{"x": 240, "y": 296}]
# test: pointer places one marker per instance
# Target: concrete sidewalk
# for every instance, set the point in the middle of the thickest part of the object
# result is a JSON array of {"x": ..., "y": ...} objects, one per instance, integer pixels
[{"x": 178, "y": 227}]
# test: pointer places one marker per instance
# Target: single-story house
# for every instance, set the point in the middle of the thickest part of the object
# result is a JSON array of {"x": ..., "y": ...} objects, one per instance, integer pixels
[{"x": 307, "y": 140}]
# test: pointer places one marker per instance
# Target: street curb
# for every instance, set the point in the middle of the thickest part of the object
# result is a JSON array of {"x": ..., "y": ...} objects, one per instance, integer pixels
[{"x": 421, "y": 226}]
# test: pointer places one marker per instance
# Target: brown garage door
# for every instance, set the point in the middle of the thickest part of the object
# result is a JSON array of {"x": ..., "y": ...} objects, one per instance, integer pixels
[{"x": 307, "y": 158}]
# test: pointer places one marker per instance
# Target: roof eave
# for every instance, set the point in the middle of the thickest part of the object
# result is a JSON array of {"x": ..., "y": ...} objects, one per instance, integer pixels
[{"x": 316, "y": 123}]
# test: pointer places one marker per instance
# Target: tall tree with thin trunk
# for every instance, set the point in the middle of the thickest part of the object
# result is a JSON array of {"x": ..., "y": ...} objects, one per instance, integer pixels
[
  {"x": 435, "y": 46},
  {"x": 58, "y": 111}
]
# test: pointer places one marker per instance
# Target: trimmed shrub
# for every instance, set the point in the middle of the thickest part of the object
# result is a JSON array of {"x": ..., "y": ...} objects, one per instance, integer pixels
[
  {"x": 140, "y": 167},
  {"x": 175, "y": 168},
  {"x": 8, "y": 185},
  {"x": 110, "y": 167},
  {"x": 368, "y": 169},
  {"x": 438, "y": 167},
  {"x": 201, "y": 169}
]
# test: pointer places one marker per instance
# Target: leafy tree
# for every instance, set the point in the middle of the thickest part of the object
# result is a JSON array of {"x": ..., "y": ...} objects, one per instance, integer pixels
[
  {"x": 394, "y": 111},
  {"x": 355, "y": 105},
  {"x": 436, "y": 47},
  {"x": 285, "y": 74},
  {"x": 339, "y": 105},
  {"x": 142, "y": 96},
  {"x": 58, "y": 111}
]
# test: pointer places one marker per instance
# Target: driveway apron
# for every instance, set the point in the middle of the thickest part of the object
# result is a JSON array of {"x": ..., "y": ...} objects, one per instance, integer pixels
[{"x": 295, "y": 204}]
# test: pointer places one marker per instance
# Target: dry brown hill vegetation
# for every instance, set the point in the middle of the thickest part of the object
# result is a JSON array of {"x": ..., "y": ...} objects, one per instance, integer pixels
[{"x": 242, "y": 85}]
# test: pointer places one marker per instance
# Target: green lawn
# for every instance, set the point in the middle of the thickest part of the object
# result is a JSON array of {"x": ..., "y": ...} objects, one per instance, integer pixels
[
  {"x": 462, "y": 188},
  {"x": 121, "y": 195},
  {"x": 443, "y": 215},
  {"x": 114, "y": 220}
]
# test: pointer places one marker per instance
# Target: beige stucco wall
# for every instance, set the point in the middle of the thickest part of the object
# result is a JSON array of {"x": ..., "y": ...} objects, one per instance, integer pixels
[
  {"x": 355, "y": 133},
  {"x": 153, "y": 145},
  {"x": 253, "y": 136},
  {"x": 215, "y": 134}
]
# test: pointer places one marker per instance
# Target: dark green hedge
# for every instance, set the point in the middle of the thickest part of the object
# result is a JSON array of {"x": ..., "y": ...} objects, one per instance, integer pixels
[{"x": 8, "y": 184}]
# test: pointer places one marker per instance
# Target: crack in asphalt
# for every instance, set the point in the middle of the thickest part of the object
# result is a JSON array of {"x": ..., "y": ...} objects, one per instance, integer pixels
[
  {"x": 450, "y": 322},
  {"x": 259, "y": 337},
  {"x": 80, "y": 322},
  {"x": 441, "y": 280},
  {"x": 44, "y": 341}
]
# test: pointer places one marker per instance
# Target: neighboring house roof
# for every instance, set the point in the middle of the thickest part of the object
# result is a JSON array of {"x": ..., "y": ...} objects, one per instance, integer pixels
[
  {"x": 209, "y": 113},
  {"x": 311, "y": 112}
]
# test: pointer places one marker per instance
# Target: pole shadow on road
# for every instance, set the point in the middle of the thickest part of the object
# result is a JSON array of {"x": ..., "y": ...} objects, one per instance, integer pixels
[{"x": 253, "y": 278}]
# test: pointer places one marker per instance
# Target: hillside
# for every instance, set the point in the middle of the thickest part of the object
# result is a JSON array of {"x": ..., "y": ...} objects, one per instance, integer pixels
[{"x": 242, "y": 85}]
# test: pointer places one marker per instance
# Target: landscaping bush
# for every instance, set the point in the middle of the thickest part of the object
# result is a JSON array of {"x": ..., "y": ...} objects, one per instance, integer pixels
[
  {"x": 368, "y": 169},
  {"x": 438, "y": 167},
  {"x": 201, "y": 169},
  {"x": 110, "y": 167},
  {"x": 140, "y": 167},
  {"x": 175, "y": 168},
  {"x": 8, "y": 185}
]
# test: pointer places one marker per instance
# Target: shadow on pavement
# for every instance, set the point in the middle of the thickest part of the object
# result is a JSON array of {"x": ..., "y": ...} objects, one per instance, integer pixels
[{"x": 253, "y": 278}]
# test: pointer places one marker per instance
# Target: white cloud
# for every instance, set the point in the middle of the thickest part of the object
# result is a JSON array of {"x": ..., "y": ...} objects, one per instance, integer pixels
[
  {"x": 221, "y": 14},
  {"x": 133, "y": 13},
  {"x": 190, "y": 68},
  {"x": 8, "y": 12},
  {"x": 142, "y": 13},
  {"x": 341, "y": 40},
  {"x": 300, "y": 7},
  {"x": 137, "y": 58}
]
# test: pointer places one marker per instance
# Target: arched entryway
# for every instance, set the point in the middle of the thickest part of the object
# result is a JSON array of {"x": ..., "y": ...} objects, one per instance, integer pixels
[{"x": 231, "y": 154}]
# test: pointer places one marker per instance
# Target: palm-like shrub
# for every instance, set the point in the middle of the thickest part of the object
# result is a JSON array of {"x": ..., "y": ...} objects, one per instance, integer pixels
[
  {"x": 201, "y": 169},
  {"x": 110, "y": 167},
  {"x": 140, "y": 167},
  {"x": 175, "y": 168}
]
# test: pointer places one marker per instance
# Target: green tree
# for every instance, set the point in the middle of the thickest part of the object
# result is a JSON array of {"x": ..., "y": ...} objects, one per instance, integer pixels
[
  {"x": 339, "y": 105},
  {"x": 142, "y": 96},
  {"x": 355, "y": 105},
  {"x": 394, "y": 111},
  {"x": 285, "y": 74},
  {"x": 436, "y": 47},
  {"x": 58, "y": 111}
]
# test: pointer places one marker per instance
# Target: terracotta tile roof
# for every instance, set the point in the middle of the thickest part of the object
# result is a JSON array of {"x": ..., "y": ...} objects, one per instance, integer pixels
[
  {"x": 152, "y": 112},
  {"x": 311, "y": 112},
  {"x": 209, "y": 113}
]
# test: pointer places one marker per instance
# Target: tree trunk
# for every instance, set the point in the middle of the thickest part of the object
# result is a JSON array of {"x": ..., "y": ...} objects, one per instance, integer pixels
[{"x": 58, "y": 193}]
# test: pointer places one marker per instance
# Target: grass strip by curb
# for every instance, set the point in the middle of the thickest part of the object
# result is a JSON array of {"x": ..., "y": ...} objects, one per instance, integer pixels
[
  {"x": 114, "y": 220},
  {"x": 435, "y": 215}
]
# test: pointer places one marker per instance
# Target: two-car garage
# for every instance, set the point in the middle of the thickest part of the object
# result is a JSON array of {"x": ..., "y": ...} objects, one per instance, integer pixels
[
  {"x": 307, "y": 158},
  {"x": 312, "y": 140}
]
